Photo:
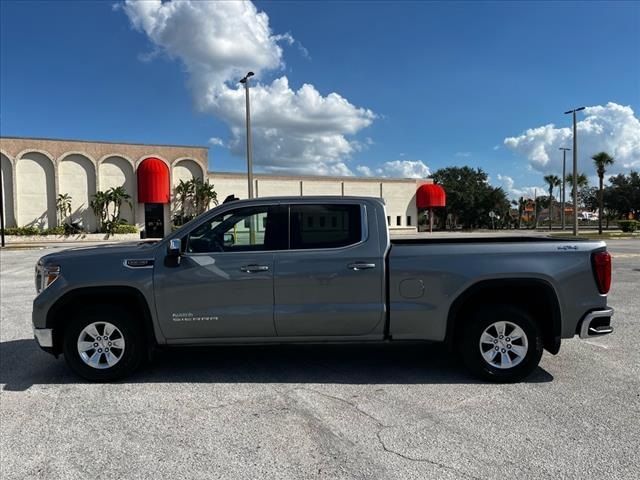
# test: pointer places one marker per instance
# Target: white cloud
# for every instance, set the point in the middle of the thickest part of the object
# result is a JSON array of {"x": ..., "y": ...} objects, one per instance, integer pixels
[
  {"x": 611, "y": 128},
  {"x": 508, "y": 185},
  {"x": 397, "y": 169},
  {"x": 463, "y": 154},
  {"x": 218, "y": 142},
  {"x": 364, "y": 171},
  {"x": 496, "y": 147},
  {"x": 294, "y": 131}
]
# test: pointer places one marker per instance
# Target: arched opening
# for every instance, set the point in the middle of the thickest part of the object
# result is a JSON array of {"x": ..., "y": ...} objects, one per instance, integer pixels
[
  {"x": 186, "y": 170},
  {"x": 183, "y": 170},
  {"x": 118, "y": 172},
  {"x": 77, "y": 178},
  {"x": 35, "y": 185},
  {"x": 8, "y": 209}
]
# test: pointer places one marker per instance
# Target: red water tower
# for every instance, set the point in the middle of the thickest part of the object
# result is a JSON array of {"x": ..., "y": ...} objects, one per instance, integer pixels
[{"x": 430, "y": 196}]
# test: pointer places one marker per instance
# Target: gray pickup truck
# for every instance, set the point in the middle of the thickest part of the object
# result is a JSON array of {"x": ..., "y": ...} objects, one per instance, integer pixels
[{"x": 319, "y": 269}]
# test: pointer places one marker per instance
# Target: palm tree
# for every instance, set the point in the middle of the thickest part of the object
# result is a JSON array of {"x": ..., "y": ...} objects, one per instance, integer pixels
[
  {"x": 100, "y": 206},
  {"x": 601, "y": 160},
  {"x": 553, "y": 182},
  {"x": 582, "y": 182},
  {"x": 63, "y": 205},
  {"x": 184, "y": 194},
  {"x": 203, "y": 195},
  {"x": 118, "y": 196}
]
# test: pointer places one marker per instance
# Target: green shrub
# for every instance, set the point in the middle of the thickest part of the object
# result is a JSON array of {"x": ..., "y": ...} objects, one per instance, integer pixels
[
  {"x": 22, "y": 231},
  {"x": 59, "y": 230},
  {"x": 628, "y": 225},
  {"x": 124, "y": 228}
]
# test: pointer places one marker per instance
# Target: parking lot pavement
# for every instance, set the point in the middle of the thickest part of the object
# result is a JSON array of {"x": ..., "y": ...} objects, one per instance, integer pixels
[{"x": 322, "y": 411}]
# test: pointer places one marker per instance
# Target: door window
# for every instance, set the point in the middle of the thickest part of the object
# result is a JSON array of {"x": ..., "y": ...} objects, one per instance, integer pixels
[
  {"x": 325, "y": 226},
  {"x": 247, "y": 229}
]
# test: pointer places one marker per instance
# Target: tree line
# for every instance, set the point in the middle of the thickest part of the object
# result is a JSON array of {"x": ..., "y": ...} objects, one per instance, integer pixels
[{"x": 473, "y": 203}]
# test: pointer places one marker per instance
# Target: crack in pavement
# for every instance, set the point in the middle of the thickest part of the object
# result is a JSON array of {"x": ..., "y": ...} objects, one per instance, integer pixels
[{"x": 381, "y": 427}]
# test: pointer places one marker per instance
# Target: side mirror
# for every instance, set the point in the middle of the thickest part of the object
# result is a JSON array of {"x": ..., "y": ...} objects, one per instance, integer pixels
[{"x": 173, "y": 250}]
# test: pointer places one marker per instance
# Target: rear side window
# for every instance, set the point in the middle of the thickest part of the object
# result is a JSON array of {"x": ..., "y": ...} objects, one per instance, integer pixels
[{"x": 325, "y": 226}]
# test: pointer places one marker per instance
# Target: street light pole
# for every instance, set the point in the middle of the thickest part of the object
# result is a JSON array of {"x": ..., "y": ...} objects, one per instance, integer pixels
[
  {"x": 245, "y": 82},
  {"x": 564, "y": 182},
  {"x": 575, "y": 169}
]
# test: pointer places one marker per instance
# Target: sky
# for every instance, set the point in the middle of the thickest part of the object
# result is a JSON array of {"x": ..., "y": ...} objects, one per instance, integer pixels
[{"x": 385, "y": 89}]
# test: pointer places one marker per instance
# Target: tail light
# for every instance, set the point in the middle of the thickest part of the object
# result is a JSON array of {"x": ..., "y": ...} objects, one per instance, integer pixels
[{"x": 601, "y": 263}]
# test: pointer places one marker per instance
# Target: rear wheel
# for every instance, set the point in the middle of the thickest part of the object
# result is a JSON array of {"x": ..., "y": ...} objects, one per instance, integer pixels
[
  {"x": 501, "y": 343},
  {"x": 103, "y": 344}
]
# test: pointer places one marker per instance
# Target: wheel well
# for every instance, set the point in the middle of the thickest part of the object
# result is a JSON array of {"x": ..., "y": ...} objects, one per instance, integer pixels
[
  {"x": 125, "y": 297},
  {"x": 537, "y": 297}
]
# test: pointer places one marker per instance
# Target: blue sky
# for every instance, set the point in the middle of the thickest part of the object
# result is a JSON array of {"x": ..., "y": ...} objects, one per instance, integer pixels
[{"x": 436, "y": 83}]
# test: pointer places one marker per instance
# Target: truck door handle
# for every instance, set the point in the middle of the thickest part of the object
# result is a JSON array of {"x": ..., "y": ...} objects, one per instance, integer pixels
[
  {"x": 254, "y": 268},
  {"x": 361, "y": 266}
]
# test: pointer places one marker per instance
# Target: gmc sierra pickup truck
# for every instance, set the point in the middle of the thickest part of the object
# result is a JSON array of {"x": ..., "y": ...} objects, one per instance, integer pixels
[{"x": 319, "y": 269}]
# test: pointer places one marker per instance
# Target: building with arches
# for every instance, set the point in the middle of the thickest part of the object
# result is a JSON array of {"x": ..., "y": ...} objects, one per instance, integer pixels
[{"x": 36, "y": 170}]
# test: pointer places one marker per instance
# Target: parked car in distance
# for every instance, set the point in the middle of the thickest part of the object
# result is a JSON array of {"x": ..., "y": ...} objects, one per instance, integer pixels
[{"x": 315, "y": 270}]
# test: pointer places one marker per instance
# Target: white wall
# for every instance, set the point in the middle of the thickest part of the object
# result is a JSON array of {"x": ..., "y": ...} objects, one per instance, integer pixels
[
  {"x": 7, "y": 192},
  {"x": 399, "y": 196},
  {"x": 400, "y": 199},
  {"x": 362, "y": 189},
  {"x": 279, "y": 188},
  {"x": 118, "y": 172},
  {"x": 77, "y": 177},
  {"x": 321, "y": 187},
  {"x": 36, "y": 193}
]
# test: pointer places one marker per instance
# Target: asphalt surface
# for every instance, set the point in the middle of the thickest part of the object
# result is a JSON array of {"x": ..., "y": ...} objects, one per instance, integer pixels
[{"x": 392, "y": 412}]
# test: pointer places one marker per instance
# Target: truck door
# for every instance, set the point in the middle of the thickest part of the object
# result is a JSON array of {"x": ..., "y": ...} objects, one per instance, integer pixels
[
  {"x": 331, "y": 280},
  {"x": 223, "y": 285}
]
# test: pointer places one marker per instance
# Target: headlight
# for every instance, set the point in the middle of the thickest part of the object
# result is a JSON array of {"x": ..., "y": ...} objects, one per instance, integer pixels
[{"x": 46, "y": 275}]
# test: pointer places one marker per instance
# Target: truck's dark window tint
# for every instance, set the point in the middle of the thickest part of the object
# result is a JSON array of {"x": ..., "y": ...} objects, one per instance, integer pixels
[
  {"x": 309, "y": 228},
  {"x": 243, "y": 230}
]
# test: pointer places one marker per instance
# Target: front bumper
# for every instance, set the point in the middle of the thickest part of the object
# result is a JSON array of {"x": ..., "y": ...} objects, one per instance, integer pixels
[
  {"x": 596, "y": 323},
  {"x": 44, "y": 337}
]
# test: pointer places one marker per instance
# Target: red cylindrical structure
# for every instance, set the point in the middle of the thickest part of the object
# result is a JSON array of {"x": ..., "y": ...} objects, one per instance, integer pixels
[
  {"x": 153, "y": 181},
  {"x": 430, "y": 195}
]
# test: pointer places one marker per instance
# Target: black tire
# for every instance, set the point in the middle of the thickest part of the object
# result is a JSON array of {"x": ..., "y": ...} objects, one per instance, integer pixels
[
  {"x": 470, "y": 348},
  {"x": 131, "y": 356}
]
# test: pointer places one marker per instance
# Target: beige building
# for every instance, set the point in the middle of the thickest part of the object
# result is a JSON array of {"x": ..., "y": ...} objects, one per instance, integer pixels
[{"x": 36, "y": 170}]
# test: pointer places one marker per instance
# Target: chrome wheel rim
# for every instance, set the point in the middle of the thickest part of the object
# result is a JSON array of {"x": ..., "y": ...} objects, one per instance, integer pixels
[
  {"x": 101, "y": 345},
  {"x": 503, "y": 345}
]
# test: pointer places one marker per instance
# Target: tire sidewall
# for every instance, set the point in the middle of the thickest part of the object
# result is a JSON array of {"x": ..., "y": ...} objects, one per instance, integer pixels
[
  {"x": 476, "y": 325},
  {"x": 130, "y": 331}
]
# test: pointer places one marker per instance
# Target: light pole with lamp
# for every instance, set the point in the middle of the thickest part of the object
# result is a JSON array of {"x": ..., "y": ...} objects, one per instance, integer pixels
[
  {"x": 564, "y": 181},
  {"x": 575, "y": 169},
  {"x": 245, "y": 81}
]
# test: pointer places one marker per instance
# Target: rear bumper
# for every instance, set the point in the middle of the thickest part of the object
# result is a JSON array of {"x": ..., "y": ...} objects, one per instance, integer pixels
[
  {"x": 44, "y": 337},
  {"x": 596, "y": 323}
]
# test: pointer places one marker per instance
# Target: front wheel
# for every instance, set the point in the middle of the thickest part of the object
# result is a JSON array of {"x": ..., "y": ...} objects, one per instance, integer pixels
[
  {"x": 103, "y": 344},
  {"x": 501, "y": 343}
]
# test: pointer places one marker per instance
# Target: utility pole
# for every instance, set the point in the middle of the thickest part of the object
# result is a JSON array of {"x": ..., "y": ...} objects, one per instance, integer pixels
[
  {"x": 575, "y": 169},
  {"x": 245, "y": 82},
  {"x": 564, "y": 182}
]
